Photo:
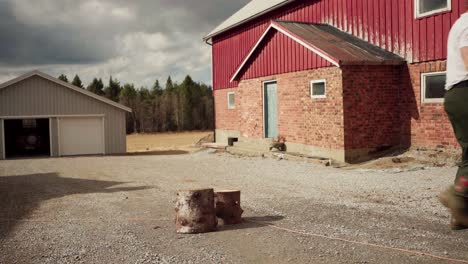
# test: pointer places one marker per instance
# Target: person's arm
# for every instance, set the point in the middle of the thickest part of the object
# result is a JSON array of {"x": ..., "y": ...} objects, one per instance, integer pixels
[{"x": 464, "y": 52}]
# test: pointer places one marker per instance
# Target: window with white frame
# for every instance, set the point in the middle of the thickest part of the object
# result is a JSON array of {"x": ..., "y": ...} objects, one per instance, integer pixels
[
  {"x": 430, "y": 7},
  {"x": 231, "y": 100},
  {"x": 433, "y": 87},
  {"x": 318, "y": 89}
]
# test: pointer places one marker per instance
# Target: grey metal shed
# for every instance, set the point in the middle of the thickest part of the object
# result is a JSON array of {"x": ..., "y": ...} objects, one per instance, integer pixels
[{"x": 44, "y": 116}]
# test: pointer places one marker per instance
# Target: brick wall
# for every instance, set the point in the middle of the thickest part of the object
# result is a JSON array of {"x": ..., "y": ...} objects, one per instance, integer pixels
[
  {"x": 371, "y": 111},
  {"x": 367, "y": 107},
  {"x": 226, "y": 118},
  {"x": 301, "y": 119},
  {"x": 429, "y": 126}
]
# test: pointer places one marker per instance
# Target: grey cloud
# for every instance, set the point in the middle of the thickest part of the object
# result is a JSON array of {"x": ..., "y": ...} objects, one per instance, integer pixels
[{"x": 136, "y": 41}]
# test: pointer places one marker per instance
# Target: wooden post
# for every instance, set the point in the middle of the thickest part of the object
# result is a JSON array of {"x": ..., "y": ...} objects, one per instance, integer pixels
[
  {"x": 228, "y": 209},
  {"x": 195, "y": 212}
]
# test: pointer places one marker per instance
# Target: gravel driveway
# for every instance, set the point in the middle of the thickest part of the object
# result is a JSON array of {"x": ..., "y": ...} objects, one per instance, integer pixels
[{"x": 120, "y": 210}]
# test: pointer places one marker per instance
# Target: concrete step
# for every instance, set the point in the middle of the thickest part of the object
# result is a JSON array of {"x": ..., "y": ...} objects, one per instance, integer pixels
[
  {"x": 247, "y": 152},
  {"x": 260, "y": 144}
]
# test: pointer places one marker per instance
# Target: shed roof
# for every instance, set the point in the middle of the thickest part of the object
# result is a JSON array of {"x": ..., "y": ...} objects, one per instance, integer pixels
[
  {"x": 253, "y": 9},
  {"x": 332, "y": 44},
  {"x": 64, "y": 84}
]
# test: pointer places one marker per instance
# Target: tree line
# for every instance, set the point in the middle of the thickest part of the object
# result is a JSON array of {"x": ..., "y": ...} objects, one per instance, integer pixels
[{"x": 174, "y": 107}]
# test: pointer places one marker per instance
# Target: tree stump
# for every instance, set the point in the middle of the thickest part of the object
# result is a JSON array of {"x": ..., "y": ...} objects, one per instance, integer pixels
[
  {"x": 228, "y": 209},
  {"x": 195, "y": 212}
]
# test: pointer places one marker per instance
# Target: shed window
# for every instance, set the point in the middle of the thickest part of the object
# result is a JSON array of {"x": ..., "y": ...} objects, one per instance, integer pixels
[
  {"x": 433, "y": 87},
  {"x": 430, "y": 7},
  {"x": 318, "y": 89},
  {"x": 29, "y": 123},
  {"x": 231, "y": 100}
]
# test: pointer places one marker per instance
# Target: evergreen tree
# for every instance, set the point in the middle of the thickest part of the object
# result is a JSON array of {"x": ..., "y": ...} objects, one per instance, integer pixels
[
  {"x": 128, "y": 97},
  {"x": 169, "y": 85},
  {"x": 63, "y": 77},
  {"x": 96, "y": 86},
  {"x": 157, "y": 89},
  {"x": 77, "y": 82},
  {"x": 113, "y": 90}
]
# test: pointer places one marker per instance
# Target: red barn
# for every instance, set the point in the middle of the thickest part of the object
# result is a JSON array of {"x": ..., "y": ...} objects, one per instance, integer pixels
[{"x": 337, "y": 78}]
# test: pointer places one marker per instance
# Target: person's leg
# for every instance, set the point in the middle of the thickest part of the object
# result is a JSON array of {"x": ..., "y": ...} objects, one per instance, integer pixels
[{"x": 456, "y": 196}]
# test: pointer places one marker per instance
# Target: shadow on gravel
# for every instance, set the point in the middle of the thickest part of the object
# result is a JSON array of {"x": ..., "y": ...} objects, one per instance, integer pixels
[
  {"x": 252, "y": 222},
  {"x": 20, "y": 195}
]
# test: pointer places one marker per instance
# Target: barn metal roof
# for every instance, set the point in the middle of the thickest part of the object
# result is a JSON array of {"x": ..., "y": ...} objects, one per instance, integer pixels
[
  {"x": 64, "y": 84},
  {"x": 253, "y": 9},
  {"x": 337, "y": 47},
  {"x": 343, "y": 47}
]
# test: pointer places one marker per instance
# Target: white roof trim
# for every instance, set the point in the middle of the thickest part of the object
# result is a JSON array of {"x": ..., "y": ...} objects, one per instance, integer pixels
[
  {"x": 65, "y": 84},
  {"x": 252, "y": 10},
  {"x": 288, "y": 34}
]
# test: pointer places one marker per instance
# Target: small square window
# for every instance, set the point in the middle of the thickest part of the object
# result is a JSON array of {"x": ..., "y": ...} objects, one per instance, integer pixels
[
  {"x": 430, "y": 7},
  {"x": 433, "y": 87},
  {"x": 29, "y": 123},
  {"x": 231, "y": 100},
  {"x": 318, "y": 89}
]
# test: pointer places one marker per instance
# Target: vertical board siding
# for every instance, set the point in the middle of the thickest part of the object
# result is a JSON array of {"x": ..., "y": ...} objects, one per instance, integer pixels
[
  {"x": 390, "y": 25},
  {"x": 36, "y": 96},
  {"x": 270, "y": 58}
]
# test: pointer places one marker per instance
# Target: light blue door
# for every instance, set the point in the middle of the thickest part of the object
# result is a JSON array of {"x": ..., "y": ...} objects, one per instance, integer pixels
[{"x": 270, "y": 98}]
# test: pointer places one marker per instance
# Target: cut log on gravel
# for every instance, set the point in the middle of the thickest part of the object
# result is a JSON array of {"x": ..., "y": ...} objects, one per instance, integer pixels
[
  {"x": 195, "y": 211},
  {"x": 228, "y": 209}
]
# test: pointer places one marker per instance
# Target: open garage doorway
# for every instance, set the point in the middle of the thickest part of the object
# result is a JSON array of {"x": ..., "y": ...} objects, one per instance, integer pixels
[{"x": 27, "y": 137}]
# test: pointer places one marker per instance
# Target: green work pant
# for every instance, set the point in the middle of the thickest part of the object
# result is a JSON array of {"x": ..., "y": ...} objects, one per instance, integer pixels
[{"x": 456, "y": 106}]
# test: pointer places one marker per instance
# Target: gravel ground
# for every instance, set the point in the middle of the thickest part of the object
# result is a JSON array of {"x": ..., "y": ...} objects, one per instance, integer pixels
[{"x": 120, "y": 210}]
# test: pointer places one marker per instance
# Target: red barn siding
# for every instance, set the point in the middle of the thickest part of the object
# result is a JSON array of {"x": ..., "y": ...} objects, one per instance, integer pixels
[
  {"x": 274, "y": 55},
  {"x": 388, "y": 24}
]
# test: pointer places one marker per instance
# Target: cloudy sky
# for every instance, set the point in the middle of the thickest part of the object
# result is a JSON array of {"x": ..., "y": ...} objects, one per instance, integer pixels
[{"x": 134, "y": 40}]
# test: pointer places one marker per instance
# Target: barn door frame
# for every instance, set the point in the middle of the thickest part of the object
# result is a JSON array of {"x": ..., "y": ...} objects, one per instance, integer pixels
[
  {"x": 264, "y": 85},
  {"x": 3, "y": 118},
  {"x": 3, "y": 140}
]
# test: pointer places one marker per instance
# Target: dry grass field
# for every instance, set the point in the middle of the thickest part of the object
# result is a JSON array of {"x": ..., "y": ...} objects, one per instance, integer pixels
[{"x": 184, "y": 141}]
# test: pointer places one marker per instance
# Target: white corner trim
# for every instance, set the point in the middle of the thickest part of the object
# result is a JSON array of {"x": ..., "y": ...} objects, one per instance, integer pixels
[
  {"x": 59, "y": 153},
  {"x": 104, "y": 135},
  {"x": 50, "y": 137},
  {"x": 291, "y": 36},
  {"x": 3, "y": 140},
  {"x": 430, "y": 13},
  {"x": 312, "y": 86},
  {"x": 425, "y": 100}
]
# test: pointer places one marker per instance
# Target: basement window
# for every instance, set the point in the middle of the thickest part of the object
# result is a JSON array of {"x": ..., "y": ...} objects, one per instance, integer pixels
[
  {"x": 425, "y": 8},
  {"x": 231, "y": 100},
  {"x": 318, "y": 89},
  {"x": 433, "y": 87}
]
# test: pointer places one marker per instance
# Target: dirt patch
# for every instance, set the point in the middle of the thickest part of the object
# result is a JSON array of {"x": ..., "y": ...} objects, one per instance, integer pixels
[
  {"x": 413, "y": 159},
  {"x": 166, "y": 143}
]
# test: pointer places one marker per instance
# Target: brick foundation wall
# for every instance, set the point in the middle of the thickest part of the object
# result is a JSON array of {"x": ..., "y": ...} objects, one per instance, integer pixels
[
  {"x": 366, "y": 108},
  {"x": 301, "y": 119},
  {"x": 371, "y": 107},
  {"x": 429, "y": 127},
  {"x": 226, "y": 118}
]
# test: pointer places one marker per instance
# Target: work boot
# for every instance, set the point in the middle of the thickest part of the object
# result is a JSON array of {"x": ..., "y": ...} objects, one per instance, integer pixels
[
  {"x": 455, "y": 225},
  {"x": 457, "y": 205}
]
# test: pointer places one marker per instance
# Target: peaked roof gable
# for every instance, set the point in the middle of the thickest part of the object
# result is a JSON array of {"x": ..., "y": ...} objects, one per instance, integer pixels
[
  {"x": 63, "y": 84},
  {"x": 335, "y": 46}
]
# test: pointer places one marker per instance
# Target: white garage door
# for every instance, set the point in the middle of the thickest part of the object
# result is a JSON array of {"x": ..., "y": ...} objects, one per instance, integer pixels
[{"x": 81, "y": 136}]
